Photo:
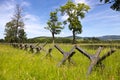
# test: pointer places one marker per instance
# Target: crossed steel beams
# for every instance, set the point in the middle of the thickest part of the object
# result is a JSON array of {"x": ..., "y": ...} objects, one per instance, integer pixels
[
  {"x": 31, "y": 48},
  {"x": 66, "y": 55},
  {"x": 36, "y": 47},
  {"x": 95, "y": 59},
  {"x": 48, "y": 53}
]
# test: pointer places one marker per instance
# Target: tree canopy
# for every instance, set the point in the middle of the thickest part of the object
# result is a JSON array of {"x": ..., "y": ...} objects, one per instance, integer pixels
[
  {"x": 14, "y": 29},
  {"x": 54, "y": 26},
  {"x": 74, "y": 12}
]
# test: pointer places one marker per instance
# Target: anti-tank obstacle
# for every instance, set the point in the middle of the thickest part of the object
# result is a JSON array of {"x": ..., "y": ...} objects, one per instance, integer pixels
[
  {"x": 66, "y": 55},
  {"x": 95, "y": 58},
  {"x": 29, "y": 47},
  {"x": 39, "y": 48}
]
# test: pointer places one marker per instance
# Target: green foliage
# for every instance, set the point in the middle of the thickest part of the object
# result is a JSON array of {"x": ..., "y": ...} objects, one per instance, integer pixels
[
  {"x": 14, "y": 29},
  {"x": 74, "y": 12},
  {"x": 16, "y": 64},
  {"x": 2, "y": 40},
  {"x": 69, "y": 40},
  {"x": 10, "y": 30},
  {"x": 53, "y": 25},
  {"x": 49, "y": 40},
  {"x": 22, "y": 35}
]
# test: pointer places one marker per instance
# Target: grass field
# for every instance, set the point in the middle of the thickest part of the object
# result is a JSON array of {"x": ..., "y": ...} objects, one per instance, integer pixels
[{"x": 16, "y": 64}]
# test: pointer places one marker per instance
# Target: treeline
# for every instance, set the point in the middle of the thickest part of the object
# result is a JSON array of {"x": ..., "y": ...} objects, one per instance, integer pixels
[
  {"x": 49, "y": 40},
  {"x": 69, "y": 40},
  {"x": 65, "y": 40}
]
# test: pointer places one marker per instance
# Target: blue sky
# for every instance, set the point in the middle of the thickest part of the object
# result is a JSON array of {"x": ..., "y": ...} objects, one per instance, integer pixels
[{"x": 99, "y": 21}]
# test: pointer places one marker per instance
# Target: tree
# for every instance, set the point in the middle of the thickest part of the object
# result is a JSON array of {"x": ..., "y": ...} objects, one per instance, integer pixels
[
  {"x": 53, "y": 25},
  {"x": 74, "y": 12},
  {"x": 22, "y": 35},
  {"x": 10, "y": 32},
  {"x": 14, "y": 29},
  {"x": 115, "y": 5}
]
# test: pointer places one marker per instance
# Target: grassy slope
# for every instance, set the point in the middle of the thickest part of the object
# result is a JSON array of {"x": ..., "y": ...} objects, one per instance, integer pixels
[{"x": 17, "y": 64}]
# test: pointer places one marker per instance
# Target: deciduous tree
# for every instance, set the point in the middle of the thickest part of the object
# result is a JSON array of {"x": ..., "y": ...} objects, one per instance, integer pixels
[
  {"x": 54, "y": 26},
  {"x": 74, "y": 12},
  {"x": 14, "y": 29}
]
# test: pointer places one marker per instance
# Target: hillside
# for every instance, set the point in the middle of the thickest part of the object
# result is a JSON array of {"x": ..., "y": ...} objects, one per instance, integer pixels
[
  {"x": 106, "y": 37},
  {"x": 110, "y": 37}
]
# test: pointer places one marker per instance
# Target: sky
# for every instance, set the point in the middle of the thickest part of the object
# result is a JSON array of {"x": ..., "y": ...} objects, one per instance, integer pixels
[{"x": 100, "y": 20}]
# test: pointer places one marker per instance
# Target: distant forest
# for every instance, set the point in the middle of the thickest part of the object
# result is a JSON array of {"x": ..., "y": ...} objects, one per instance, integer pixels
[{"x": 68, "y": 39}]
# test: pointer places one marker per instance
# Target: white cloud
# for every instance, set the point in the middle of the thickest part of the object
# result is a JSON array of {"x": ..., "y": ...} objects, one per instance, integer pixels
[
  {"x": 31, "y": 17},
  {"x": 6, "y": 10},
  {"x": 87, "y": 2},
  {"x": 93, "y": 24},
  {"x": 81, "y": 1},
  {"x": 24, "y": 3},
  {"x": 64, "y": 17},
  {"x": 34, "y": 30},
  {"x": 91, "y": 3},
  {"x": 33, "y": 27},
  {"x": 106, "y": 16},
  {"x": 104, "y": 22}
]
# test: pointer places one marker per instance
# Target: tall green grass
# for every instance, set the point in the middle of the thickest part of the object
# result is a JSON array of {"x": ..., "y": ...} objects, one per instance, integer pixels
[{"x": 16, "y": 64}]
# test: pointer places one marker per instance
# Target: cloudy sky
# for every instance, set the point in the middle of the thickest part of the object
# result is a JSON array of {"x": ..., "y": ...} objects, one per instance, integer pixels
[{"x": 99, "y": 21}]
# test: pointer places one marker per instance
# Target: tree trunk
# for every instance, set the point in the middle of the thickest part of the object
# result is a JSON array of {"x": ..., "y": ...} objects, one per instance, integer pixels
[
  {"x": 53, "y": 37},
  {"x": 74, "y": 41}
]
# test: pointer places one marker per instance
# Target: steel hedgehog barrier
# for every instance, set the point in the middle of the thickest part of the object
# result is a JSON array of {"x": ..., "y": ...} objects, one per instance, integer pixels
[
  {"x": 29, "y": 47},
  {"x": 95, "y": 59},
  {"x": 66, "y": 55},
  {"x": 48, "y": 52},
  {"x": 34, "y": 48},
  {"x": 39, "y": 48}
]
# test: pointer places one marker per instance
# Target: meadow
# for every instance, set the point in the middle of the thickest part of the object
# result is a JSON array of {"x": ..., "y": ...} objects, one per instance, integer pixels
[{"x": 16, "y": 64}]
